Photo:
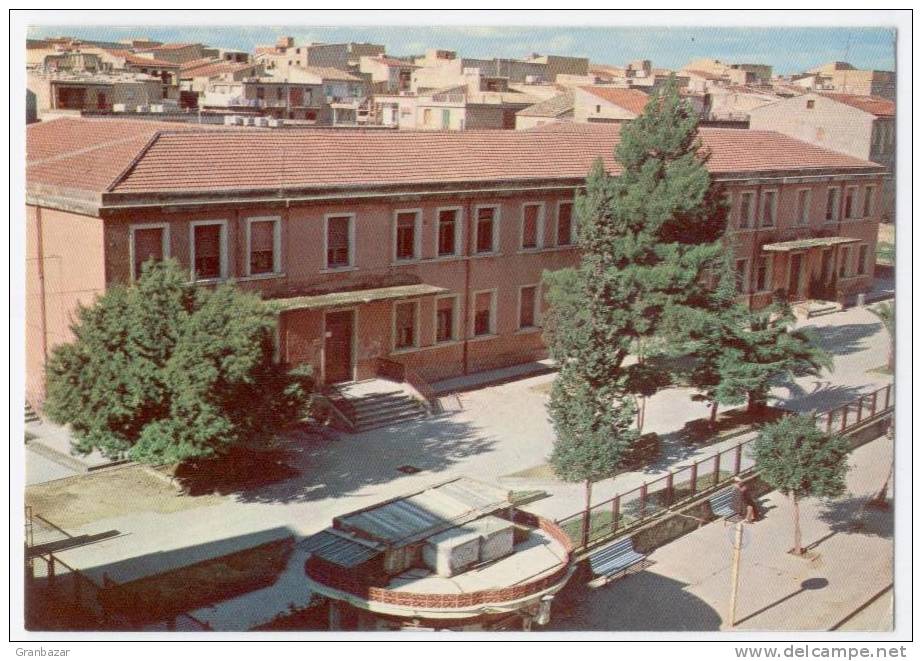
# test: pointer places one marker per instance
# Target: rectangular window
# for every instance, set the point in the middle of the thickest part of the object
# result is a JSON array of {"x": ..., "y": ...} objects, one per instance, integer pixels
[
  {"x": 742, "y": 270},
  {"x": 405, "y": 235},
  {"x": 148, "y": 243},
  {"x": 528, "y": 301},
  {"x": 486, "y": 229},
  {"x": 850, "y": 204},
  {"x": 868, "y": 201},
  {"x": 769, "y": 208},
  {"x": 448, "y": 230},
  {"x": 262, "y": 239},
  {"x": 445, "y": 318},
  {"x": 405, "y": 325},
  {"x": 565, "y": 224},
  {"x": 339, "y": 229},
  {"x": 208, "y": 257},
  {"x": 844, "y": 258},
  {"x": 862, "y": 260},
  {"x": 531, "y": 225},
  {"x": 763, "y": 273},
  {"x": 747, "y": 209},
  {"x": 483, "y": 314},
  {"x": 832, "y": 205},
  {"x": 803, "y": 207}
]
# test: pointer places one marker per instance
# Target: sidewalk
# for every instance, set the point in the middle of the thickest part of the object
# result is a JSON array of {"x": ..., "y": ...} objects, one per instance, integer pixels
[{"x": 688, "y": 586}]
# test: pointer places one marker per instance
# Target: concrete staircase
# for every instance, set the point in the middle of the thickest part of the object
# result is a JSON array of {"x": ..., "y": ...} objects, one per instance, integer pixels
[
  {"x": 378, "y": 403},
  {"x": 31, "y": 415}
]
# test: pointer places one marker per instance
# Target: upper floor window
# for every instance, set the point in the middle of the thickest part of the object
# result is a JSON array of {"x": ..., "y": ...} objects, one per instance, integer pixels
[
  {"x": 148, "y": 242},
  {"x": 532, "y": 225},
  {"x": 263, "y": 246},
  {"x": 850, "y": 202},
  {"x": 486, "y": 234},
  {"x": 448, "y": 231},
  {"x": 832, "y": 204},
  {"x": 868, "y": 201},
  {"x": 528, "y": 306},
  {"x": 209, "y": 250},
  {"x": 565, "y": 223},
  {"x": 769, "y": 208},
  {"x": 747, "y": 209},
  {"x": 339, "y": 240},
  {"x": 405, "y": 323},
  {"x": 406, "y": 235},
  {"x": 803, "y": 207}
]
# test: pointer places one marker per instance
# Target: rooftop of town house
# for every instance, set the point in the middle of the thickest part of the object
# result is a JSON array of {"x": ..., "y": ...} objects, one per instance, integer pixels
[
  {"x": 873, "y": 105},
  {"x": 210, "y": 68},
  {"x": 96, "y": 156},
  {"x": 630, "y": 99},
  {"x": 140, "y": 60},
  {"x": 552, "y": 107}
]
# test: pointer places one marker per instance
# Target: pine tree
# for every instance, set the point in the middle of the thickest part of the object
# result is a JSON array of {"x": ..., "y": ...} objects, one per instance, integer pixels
[
  {"x": 162, "y": 372},
  {"x": 886, "y": 312},
  {"x": 796, "y": 458}
]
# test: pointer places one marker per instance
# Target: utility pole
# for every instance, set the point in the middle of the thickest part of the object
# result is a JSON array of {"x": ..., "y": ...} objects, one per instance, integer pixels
[{"x": 735, "y": 571}]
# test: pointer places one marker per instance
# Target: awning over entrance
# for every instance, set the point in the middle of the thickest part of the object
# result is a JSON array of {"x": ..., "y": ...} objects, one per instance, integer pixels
[
  {"x": 355, "y": 297},
  {"x": 803, "y": 244}
]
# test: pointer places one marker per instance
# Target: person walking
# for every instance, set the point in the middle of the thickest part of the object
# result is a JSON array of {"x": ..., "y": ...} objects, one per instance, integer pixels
[{"x": 745, "y": 503}]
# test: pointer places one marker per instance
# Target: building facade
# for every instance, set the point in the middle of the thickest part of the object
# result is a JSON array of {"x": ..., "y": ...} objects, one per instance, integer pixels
[{"x": 423, "y": 248}]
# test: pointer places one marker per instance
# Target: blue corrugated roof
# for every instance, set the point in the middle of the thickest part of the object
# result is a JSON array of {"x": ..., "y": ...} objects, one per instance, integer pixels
[{"x": 337, "y": 549}]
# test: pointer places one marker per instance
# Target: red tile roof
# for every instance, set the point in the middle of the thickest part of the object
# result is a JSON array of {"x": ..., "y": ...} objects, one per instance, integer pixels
[
  {"x": 630, "y": 99},
  {"x": 209, "y": 69},
  {"x": 172, "y": 46},
  {"x": 869, "y": 104},
  {"x": 139, "y": 60},
  {"x": 110, "y": 155}
]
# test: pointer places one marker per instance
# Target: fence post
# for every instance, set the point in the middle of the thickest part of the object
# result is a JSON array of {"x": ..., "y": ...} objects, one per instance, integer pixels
[
  {"x": 670, "y": 490},
  {"x": 694, "y": 478},
  {"x": 615, "y": 512},
  {"x": 828, "y": 422},
  {"x": 844, "y": 418},
  {"x": 643, "y": 501},
  {"x": 50, "y": 569},
  {"x": 873, "y": 403},
  {"x": 860, "y": 408},
  {"x": 738, "y": 459},
  {"x": 585, "y": 534},
  {"x": 887, "y": 397},
  {"x": 717, "y": 468}
]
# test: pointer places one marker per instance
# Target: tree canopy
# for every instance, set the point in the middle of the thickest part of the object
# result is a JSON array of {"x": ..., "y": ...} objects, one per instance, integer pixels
[{"x": 163, "y": 372}]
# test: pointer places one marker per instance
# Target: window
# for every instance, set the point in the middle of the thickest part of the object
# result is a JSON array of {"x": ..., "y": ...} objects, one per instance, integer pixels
[
  {"x": 528, "y": 302},
  {"x": 486, "y": 234},
  {"x": 405, "y": 325},
  {"x": 850, "y": 206},
  {"x": 263, "y": 239},
  {"x": 209, "y": 250},
  {"x": 764, "y": 273},
  {"x": 449, "y": 226},
  {"x": 803, "y": 206},
  {"x": 769, "y": 208},
  {"x": 148, "y": 242},
  {"x": 484, "y": 324},
  {"x": 742, "y": 271},
  {"x": 844, "y": 258},
  {"x": 810, "y": 104},
  {"x": 532, "y": 225},
  {"x": 868, "y": 201},
  {"x": 446, "y": 118},
  {"x": 862, "y": 260},
  {"x": 747, "y": 209},
  {"x": 564, "y": 223},
  {"x": 427, "y": 116},
  {"x": 832, "y": 205},
  {"x": 406, "y": 235},
  {"x": 339, "y": 241},
  {"x": 445, "y": 316}
]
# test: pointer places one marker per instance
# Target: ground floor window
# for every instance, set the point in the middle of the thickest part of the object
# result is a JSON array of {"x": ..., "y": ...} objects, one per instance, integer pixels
[
  {"x": 405, "y": 325},
  {"x": 862, "y": 260},
  {"x": 528, "y": 302},
  {"x": 763, "y": 273},
  {"x": 844, "y": 258},
  {"x": 484, "y": 322},
  {"x": 445, "y": 319},
  {"x": 742, "y": 270}
]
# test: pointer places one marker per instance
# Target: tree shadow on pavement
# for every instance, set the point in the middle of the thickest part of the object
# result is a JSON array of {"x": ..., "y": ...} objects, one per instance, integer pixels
[
  {"x": 845, "y": 339},
  {"x": 311, "y": 467},
  {"x": 853, "y": 516},
  {"x": 824, "y": 397},
  {"x": 644, "y": 601}
]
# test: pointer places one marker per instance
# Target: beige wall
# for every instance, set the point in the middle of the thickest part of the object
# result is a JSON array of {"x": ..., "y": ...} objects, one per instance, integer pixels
[{"x": 588, "y": 107}]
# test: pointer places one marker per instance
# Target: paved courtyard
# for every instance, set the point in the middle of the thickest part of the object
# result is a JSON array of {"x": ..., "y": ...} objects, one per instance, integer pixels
[{"x": 500, "y": 430}]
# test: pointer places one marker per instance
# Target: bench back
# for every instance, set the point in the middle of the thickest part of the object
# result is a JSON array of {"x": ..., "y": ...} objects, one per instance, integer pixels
[
  {"x": 720, "y": 498},
  {"x": 620, "y": 547}
]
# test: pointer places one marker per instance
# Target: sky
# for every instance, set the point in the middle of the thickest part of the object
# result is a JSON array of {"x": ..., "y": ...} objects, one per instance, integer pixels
[{"x": 788, "y": 50}]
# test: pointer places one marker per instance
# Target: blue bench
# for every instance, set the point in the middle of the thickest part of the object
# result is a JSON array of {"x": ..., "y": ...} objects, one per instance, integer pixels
[
  {"x": 723, "y": 503},
  {"x": 615, "y": 559}
]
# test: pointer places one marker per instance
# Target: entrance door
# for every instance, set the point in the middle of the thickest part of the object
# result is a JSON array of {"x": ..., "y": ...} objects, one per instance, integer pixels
[
  {"x": 337, "y": 348},
  {"x": 795, "y": 288}
]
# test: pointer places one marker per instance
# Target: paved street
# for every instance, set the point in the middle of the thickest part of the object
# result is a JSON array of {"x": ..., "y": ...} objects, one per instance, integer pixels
[
  {"x": 688, "y": 586},
  {"x": 501, "y": 430}
]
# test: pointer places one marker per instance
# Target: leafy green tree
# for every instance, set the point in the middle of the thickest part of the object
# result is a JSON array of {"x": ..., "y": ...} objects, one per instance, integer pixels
[
  {"x": 800, "y": 461},
  {"x": 886, "y": 312},
  {"x": 162, "y": 372}
]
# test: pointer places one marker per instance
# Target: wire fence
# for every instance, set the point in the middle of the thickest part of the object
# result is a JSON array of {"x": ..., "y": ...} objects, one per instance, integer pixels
[{"x": 651, "y": 499}]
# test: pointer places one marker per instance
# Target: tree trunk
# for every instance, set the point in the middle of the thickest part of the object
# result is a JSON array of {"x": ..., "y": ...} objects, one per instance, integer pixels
[
  {"x": 798, "y": 550},
  {"x": 713, "y": 413},
  {"x": 891, "y": 363},
  {"x": 641, "y": 413},
  {"x": 586, "y": 514}
]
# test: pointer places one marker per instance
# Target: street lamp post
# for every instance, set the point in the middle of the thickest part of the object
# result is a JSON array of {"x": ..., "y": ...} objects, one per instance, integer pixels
[{"x": 735, "y": 571}]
